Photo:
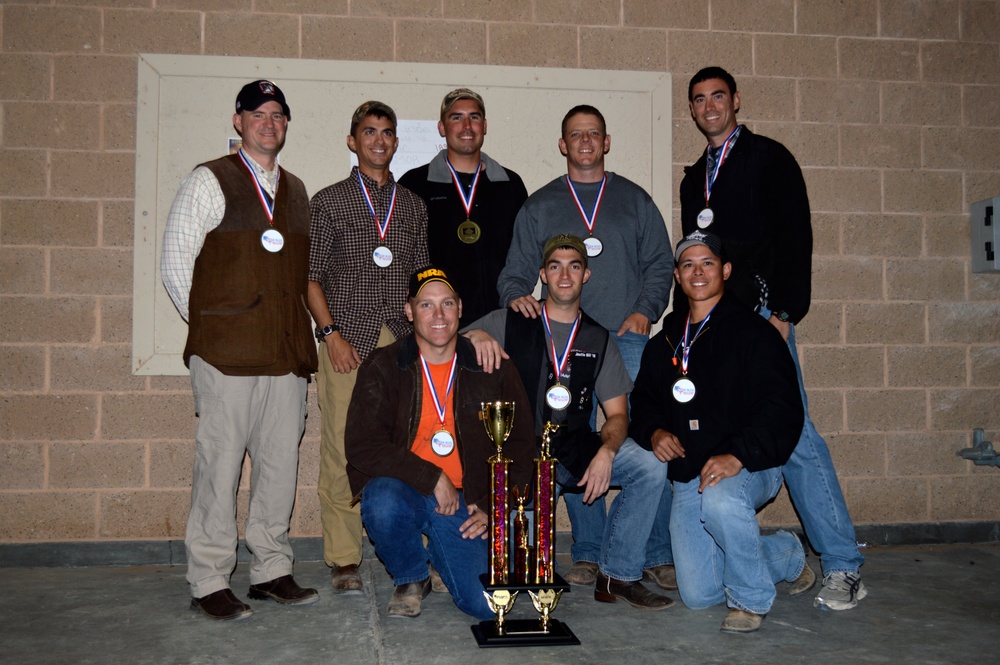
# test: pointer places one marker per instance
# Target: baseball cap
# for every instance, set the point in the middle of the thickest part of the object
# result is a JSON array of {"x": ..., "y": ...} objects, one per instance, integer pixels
[
  {"x": 459, "y": 94},
  {"x": 564, "y": 240},
  {"x": 710, "y": 240},
  {"x": 375, "y": 108},
  {"x": 253, "y": 95},
  {"x": 425, "y": 276}
]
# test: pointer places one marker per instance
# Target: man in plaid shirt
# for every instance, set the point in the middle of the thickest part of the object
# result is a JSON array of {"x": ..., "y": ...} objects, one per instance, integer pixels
[{"x": 368, "y": 236}]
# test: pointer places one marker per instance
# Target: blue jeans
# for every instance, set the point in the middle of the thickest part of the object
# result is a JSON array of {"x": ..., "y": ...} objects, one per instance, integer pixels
[
  {"x": 719, "y": 552},
  {"x": 588, "y": 521},
  {"x": 396, "y": 516},
  {"x": 815, "y": 491},
  {"x": 621, "y": 546}
]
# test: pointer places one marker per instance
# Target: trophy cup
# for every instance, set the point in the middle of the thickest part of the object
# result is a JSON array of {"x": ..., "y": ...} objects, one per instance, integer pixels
[{"x": 501, "y": 585}]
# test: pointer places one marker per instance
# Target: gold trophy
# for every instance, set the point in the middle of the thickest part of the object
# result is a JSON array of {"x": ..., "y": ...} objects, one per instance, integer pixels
[
  {"x": 501, "y": 601},
  {"x": 498, "y": 419},
  {"x": 522, "y": 534},
  {"x": 531, "y": 573},
  {"x": 545, "y": 602}
]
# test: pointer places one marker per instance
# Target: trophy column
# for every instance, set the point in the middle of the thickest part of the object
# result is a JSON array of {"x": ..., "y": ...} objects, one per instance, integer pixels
[{"x": 498, "y": 418}]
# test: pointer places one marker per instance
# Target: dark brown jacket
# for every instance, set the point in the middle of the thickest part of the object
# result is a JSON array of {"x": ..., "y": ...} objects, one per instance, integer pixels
[
  {"x": 385, "y": 412},
  {"x": 248, "y": 314}
]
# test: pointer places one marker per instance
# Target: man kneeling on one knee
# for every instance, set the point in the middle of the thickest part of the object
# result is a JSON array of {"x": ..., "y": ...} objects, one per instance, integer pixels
[
  {"x": 566, "y": 360},
  {"x": 417, "y": 451},
  {"x": 717, "y": 398}
]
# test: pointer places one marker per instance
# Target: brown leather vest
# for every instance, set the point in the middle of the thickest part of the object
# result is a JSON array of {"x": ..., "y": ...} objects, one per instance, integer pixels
[{"x": 248, "y": 314}]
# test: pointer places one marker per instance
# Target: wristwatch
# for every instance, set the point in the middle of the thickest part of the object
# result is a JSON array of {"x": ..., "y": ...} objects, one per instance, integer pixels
[
  {"x": 782, "y": 316},
  {"x": 326, "y": 331}
]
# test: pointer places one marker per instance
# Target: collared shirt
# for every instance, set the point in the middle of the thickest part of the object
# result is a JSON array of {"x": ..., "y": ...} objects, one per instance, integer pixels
[
  {"x": 198, "y": 208},
  {"x": 361, "y": 295}
]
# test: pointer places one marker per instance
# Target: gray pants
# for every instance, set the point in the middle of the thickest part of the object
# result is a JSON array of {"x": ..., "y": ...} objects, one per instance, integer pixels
[{"x": 260, "y": 415}]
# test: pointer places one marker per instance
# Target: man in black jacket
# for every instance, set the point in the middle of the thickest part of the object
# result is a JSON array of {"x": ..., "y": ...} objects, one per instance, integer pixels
[
  {"x": 716, "y": 397},
  {"x": 472, "y": 201},
  {"x": 748, "y": 190}
]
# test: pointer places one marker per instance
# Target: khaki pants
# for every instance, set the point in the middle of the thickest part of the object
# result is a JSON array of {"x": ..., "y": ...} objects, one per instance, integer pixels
[
  {"x": 341, "y": 522},
  {"x": 262, "y": 415}
]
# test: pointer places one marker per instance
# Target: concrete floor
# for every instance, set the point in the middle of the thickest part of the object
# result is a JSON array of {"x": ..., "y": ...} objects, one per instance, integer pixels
[{"x": 926, "y": 604}]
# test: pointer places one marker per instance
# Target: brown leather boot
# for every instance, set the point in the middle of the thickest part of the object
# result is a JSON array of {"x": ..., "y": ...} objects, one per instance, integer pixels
[
  {"x": 283, "y": 590},
  {"x": 610, "y": 590},
  {"x": 221, "y": 605}
]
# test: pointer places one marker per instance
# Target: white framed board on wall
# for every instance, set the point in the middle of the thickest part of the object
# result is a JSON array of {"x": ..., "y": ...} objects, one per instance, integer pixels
[{"x": 184, "y": 117}]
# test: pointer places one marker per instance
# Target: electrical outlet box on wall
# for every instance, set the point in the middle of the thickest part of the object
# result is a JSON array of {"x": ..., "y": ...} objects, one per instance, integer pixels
[{"x": 986, "y": 235}]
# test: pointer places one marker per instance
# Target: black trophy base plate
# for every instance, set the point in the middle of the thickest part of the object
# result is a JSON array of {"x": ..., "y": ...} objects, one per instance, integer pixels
[
  {"x": 556, "y": 584},
  {"x": 524, "y": 633}
]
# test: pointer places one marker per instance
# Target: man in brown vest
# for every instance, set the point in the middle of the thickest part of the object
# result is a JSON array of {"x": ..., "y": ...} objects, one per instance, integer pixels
[{"x": 235, "y": 263}]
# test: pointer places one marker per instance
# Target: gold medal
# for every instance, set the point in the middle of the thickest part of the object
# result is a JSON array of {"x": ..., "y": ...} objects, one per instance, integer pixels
[{"x": 469, "y": 232}]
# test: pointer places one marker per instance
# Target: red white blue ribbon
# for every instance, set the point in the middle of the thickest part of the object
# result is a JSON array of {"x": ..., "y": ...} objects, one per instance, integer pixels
[
  {"x": 726, "y": 148},
  {"x": 466, "y": 200},
  {"x": 266, "y": 201},
  {"x": 557, "y": 360},
  {"x": 589, "y": 221},
  {"x": 382, "y": 227},
  {"x": 685, "y": 347},
  {"x": 441, "y": 406}
]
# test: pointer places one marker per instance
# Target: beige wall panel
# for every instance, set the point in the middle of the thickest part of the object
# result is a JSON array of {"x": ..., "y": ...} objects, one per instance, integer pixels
[{"x": 524, "y": 105}]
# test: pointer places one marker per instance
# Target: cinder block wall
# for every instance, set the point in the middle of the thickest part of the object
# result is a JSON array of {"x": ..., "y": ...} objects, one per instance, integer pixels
[{"x": 891, "y": 106}]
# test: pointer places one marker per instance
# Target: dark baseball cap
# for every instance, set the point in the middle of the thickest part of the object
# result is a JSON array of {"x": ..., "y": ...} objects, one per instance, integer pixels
[
  {"x": 562, "y": 240},
  {"x": 254, "y": 95},
  {"x": 710, "y": 240},
  {"x": 425, "y": 276}
]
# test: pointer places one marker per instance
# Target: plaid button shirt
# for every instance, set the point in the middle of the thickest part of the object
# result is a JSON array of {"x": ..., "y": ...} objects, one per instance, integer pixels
[{"x": 362, "y": 296}]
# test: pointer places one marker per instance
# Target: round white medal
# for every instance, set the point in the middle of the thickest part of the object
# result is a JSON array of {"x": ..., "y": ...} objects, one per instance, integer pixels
[
  {"x": 557, "y": 397},
  {"x": 705, "y": 218},
  {"x": 683, "y": 390},
  {"x": 272, "y": 240},
  {"x": 382, "y": 256},
  {"x": 442, "y": 443},
  {"x": 594, "y": 246}
]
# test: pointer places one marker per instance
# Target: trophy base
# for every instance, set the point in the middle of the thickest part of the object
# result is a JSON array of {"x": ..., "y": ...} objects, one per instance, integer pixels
[{"x": 523, "y": 633}]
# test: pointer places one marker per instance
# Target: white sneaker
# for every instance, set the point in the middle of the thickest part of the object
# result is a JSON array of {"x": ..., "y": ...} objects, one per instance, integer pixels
[{"x": 841, "y": 591}]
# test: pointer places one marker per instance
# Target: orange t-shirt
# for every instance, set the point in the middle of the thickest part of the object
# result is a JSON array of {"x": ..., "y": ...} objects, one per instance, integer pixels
[{"x": 430, "y": 424}]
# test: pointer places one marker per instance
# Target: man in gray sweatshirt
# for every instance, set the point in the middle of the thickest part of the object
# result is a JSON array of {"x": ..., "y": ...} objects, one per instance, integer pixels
[{"x": 631, "y": 265}]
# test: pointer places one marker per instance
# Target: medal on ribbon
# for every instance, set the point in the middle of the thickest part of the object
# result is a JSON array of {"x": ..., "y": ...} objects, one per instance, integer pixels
[
  {"x": 683, "y": 389},
  {"x": 557, "y": 396},
  {"x": 271, "y": 239},
  {"x": 707, "y": 215},
  {"x": 594, "y": 245},
  {"x": 468, "y": 231},
  {"x": 442, "y": 441},
  {"x": 382, "y": 256}
]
